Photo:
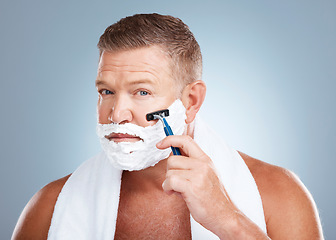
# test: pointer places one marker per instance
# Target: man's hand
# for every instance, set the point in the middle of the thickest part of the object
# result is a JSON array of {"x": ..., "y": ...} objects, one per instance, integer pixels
[{"x": 194, "y": 177}]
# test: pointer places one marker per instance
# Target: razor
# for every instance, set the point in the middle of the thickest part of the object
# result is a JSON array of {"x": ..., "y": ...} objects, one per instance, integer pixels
[{"x": 160, "y": 115}]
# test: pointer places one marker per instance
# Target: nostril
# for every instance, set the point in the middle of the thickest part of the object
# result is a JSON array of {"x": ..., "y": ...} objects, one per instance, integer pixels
[
  {"x": 120, "y": 116},
  {"x": 113, "y": 119}
]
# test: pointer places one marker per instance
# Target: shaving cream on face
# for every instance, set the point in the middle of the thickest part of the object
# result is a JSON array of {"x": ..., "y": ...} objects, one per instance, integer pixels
[{"x": 142, "y": 154}]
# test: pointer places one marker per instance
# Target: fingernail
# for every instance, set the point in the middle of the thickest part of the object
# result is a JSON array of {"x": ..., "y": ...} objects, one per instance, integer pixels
[{"x": 159, "y": 143}]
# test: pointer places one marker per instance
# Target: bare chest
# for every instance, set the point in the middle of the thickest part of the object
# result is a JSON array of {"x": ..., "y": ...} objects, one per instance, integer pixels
[{"x": 152, "y": 217}]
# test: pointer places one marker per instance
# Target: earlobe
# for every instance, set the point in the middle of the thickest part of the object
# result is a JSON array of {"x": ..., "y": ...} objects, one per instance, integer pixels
[{"x": 192, "y": 97}]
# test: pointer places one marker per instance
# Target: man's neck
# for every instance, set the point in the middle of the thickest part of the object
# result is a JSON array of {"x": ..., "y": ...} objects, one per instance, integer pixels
[{"x": 147, "y": 179}]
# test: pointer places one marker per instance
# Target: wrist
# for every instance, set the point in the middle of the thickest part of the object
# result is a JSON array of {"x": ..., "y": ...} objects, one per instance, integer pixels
[
  {"x": 227, "y": 227},
  {"x": 238, "y": 226}
]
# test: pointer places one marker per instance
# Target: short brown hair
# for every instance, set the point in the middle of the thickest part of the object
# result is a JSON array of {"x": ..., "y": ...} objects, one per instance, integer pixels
[{"x": 167, "y": 32}]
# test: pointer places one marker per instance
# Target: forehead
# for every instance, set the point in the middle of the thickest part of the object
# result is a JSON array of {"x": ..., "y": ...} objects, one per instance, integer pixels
[{"x": 151, "y": 60}]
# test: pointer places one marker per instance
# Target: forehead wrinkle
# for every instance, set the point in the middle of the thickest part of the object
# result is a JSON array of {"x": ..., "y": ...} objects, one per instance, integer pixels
[
  {"x": 147, "y": 61},
  {"x": 131, "y": 69},
  {"x": 135, "y": 79},
  {"x": 136, "y": 66}
]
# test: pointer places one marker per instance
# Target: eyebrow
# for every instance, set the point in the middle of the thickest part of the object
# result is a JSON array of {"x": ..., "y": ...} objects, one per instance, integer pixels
[
  {"x": 141, "y": 81},
  {"x": 99, "y": 82},
  {"x": 135, "y": 82}
]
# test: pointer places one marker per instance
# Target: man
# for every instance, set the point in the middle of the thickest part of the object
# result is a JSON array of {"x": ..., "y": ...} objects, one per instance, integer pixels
[{"x": 133, "y": 190}]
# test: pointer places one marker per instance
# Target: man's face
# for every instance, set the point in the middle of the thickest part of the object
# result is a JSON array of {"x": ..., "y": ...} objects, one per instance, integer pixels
[{"x": 133, "y": 83}]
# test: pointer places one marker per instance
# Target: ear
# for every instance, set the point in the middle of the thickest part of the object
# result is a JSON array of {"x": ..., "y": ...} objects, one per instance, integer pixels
[{"x": 192, "y": 98}]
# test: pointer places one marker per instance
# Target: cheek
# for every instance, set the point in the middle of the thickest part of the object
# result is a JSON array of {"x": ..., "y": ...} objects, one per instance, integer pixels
[
  {"x": 142, "y": 110},
  {"x": 103, "y": 113},
  {"x": 139, "y": 115}
]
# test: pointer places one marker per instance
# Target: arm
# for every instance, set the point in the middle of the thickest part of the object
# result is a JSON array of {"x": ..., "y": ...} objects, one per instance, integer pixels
[
  {"x": 35, "y": 219},
  {"x": 288, "y": 207},
  {"x": 194, "y": 177}
]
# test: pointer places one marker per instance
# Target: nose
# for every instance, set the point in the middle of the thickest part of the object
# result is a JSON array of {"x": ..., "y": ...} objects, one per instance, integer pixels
[{"x": 121, "y": 111}]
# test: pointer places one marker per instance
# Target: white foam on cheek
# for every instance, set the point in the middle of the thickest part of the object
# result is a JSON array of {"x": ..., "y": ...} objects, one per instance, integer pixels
[
  {"x": 177, "y": 117},
  {"x": 141, "y": 154}
]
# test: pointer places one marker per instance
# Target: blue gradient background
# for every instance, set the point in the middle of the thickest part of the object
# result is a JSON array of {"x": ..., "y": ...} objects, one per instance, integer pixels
[{"x": 269, "y": 66}]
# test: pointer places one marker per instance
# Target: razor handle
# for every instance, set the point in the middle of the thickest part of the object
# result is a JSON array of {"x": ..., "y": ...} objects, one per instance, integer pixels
[{"x": 168, "y": 132}]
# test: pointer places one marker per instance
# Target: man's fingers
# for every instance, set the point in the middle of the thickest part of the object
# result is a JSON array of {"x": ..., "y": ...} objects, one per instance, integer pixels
[
  {"x": 176, "y": 181},
  {"x": 187, "y": 163},
  {"x": 184, "y": 142},
  {"x": 185, "y": 174},
  {"x": 180, "y": 162}
]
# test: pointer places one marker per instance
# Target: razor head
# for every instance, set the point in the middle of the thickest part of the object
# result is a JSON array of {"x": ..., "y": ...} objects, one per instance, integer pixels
[{"x": 161, "y": 113}]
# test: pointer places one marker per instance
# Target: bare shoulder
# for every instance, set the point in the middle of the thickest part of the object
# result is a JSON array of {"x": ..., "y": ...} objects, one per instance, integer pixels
[
  {"x": 35, "y": 219},
  {"x": 289, "y": 208},
  {"x": 275, "y": 184}
]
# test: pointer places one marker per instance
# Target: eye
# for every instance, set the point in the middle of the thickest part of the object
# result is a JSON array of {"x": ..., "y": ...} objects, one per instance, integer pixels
[
  {"x": 143, "y": 93},
  {"x": 105, "y": 92}
]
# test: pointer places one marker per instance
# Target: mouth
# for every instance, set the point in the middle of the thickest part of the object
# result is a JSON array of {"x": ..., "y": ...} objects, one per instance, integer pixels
[{"x": 121, "y": 137}]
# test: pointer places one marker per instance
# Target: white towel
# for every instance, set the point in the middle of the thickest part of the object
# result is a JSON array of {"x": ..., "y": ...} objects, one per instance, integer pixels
[{"x": 87, "y": 207}]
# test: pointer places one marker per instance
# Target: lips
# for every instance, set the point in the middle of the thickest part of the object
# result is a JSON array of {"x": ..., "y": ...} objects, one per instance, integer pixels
[{"x": 122, "y": 137}]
